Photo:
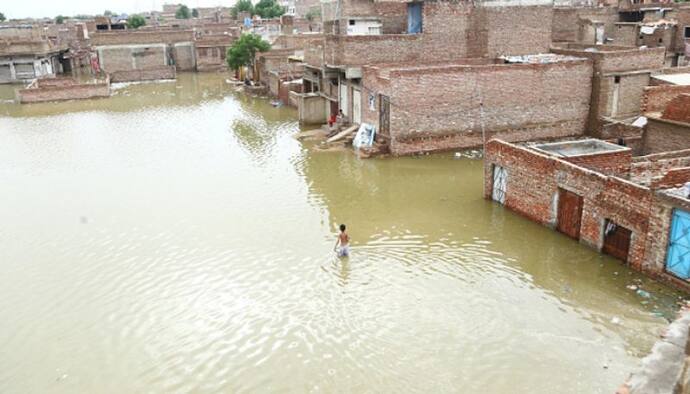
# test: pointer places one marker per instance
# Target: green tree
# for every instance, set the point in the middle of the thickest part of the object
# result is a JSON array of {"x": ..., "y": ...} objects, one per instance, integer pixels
[
  {"x": 59, "y": 19},
  {"x": 312, "y": 14},
  {"x": 2, "y": 17},
  {"x": 135, "y": 21},
  {"x": 108, "y": 13},
  {"x": 242, "y": 52},
  {"x": 183, "y": 12},
  {"x": 242, "y": 6},
  {"x": 268, "y": 9},
  {"x": 195, "y": 13}
]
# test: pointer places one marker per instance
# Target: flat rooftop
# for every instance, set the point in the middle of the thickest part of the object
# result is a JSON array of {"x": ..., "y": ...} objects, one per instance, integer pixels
[
  {"x": 674, "y": 79},
  {"x": 578, "y": 148}
]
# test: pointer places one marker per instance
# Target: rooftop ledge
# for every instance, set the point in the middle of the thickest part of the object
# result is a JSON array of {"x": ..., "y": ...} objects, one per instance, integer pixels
[{"x": 579, "y": 148}]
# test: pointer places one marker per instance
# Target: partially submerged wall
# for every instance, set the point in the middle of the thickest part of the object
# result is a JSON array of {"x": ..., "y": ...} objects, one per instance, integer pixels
[
  {"x": 151, "y": 74},
  {"x": 532, "y": 189},
  {"x": 63, "y": 89},
  {"x": 438, "y": 108}
]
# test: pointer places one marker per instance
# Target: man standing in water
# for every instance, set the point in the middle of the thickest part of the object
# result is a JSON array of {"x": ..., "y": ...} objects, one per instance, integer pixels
[{"x": 344, "y": 242}]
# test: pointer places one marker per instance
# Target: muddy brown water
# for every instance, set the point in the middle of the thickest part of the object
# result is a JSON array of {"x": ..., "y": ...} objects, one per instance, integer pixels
[{"x": 176, "y": 238}]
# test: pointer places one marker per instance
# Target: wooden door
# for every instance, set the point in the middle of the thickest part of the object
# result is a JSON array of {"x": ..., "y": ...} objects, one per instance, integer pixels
[
  {"x": 616, "y": 241},
  {"x": 569, "y": 213}
]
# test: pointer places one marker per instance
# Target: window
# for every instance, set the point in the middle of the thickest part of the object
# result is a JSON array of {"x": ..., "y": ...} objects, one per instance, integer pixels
[
  {"x": 352, "y": 22},
  {"x": 661, "y": 41},
  {"x": 686, "y": 33},
  {"x": 617, "y": 79}
]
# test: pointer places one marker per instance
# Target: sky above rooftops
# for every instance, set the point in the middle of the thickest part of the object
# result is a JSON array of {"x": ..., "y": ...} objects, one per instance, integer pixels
[{"x": 18, "y": 9}]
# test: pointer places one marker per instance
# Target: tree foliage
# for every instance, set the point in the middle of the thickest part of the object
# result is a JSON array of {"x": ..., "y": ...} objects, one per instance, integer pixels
[
  {"x": 195, "y": 13},
  {"x": 59, "y": 19},
  {"x": 268, "y": 9},
  {"x": 135, "y": 21},
  {"x": 2, "y": 17},
  {"x": 243, "y": 6},
  {"x": 183, "y": 12},
  {"x": 242, "y": 52}
]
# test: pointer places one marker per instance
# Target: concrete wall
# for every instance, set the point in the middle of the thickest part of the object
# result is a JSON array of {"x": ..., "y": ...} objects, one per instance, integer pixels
[
  {"x": 312, "y": 108},
  {"x": 438, "y": 108}
]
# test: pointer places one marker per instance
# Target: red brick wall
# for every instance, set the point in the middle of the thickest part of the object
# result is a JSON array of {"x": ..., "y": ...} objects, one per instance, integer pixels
[
  {"x": 656, "y": 98},
  {"x": 614, "y": 163},
  {"x": 532, "y": 190},
  {"x": 675, "y": 177},
  {"x": 438, "y": 108},
  {"x": 678, "y": 109}
]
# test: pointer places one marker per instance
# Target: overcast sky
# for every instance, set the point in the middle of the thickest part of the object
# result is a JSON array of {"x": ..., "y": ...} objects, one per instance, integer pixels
[{"x": 52, "y": 8}]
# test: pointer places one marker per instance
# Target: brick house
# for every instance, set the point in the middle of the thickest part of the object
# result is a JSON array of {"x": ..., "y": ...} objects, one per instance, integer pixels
[
  {"x": 358, "y": 33},
  {"x": 418, "y": 108},
  {"x": 632, "y": 208}
]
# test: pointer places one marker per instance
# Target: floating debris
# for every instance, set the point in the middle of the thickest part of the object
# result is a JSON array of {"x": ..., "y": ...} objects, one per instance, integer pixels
[{"x": 643, "y": 293}]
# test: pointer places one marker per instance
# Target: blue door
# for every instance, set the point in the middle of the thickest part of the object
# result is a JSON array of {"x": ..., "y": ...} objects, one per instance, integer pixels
[
  {"x": 678, "y": 255},
  {"x": 414, "y": 18}
]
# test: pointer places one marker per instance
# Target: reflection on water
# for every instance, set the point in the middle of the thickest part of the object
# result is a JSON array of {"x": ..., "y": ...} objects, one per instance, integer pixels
[{"x": 175, "y": 237}]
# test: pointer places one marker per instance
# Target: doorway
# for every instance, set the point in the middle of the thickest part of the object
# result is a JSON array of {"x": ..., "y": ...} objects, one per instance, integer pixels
[
  {"x": 616, "y": 241},
  {"x": 678, "y": 253},
  {"x": 569, "y": 213},
  {"x": 500, "y": 180}
]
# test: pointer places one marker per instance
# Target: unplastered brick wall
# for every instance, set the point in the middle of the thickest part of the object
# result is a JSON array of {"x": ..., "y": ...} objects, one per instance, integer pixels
[
  {"x": 656, "y": 98},
  {"x": 152, "y": 74},
  {"x": 532, "y": 190},
  {"x": 437, "y": 108},
  {"x": 678, "y": 109},
  {"x": 451, "y": 30},
  {"x": 609, "y": 163},
  {"x": 616, "y": 59},
  {"x": 675, "y": 177},
  {"x": 645, "y": 168},
  {"x": 142, "y": 37},
  {"x": 132, "y": 57},
  {"x": 70, "y": 91},
  {"x": 663, "y": 135}
]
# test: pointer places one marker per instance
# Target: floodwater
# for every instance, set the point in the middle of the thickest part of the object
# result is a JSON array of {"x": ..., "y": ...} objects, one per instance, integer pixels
[{"x": 176, "y": 238}]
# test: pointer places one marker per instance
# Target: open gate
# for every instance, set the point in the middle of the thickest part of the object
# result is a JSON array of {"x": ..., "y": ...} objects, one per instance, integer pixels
[
  {"x": 500, "y": 179},
  {"x": 569, "y": 213},
  {"x": 678, "y": 253}
]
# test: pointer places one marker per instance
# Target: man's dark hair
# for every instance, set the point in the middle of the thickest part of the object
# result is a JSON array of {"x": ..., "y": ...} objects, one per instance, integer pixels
[{"x": 342, "y": 227}]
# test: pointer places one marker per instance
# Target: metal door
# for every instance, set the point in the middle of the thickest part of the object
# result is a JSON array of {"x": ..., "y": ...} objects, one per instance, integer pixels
[
  {"x": 569, "y": 213},
  {"x": 678, "y": 254},
  {"x": 384, "y": 116},
  {"x": 356, "y": 106},
  {"x": 616, "y": 241},
  {"x": 500, "y": 180}
]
